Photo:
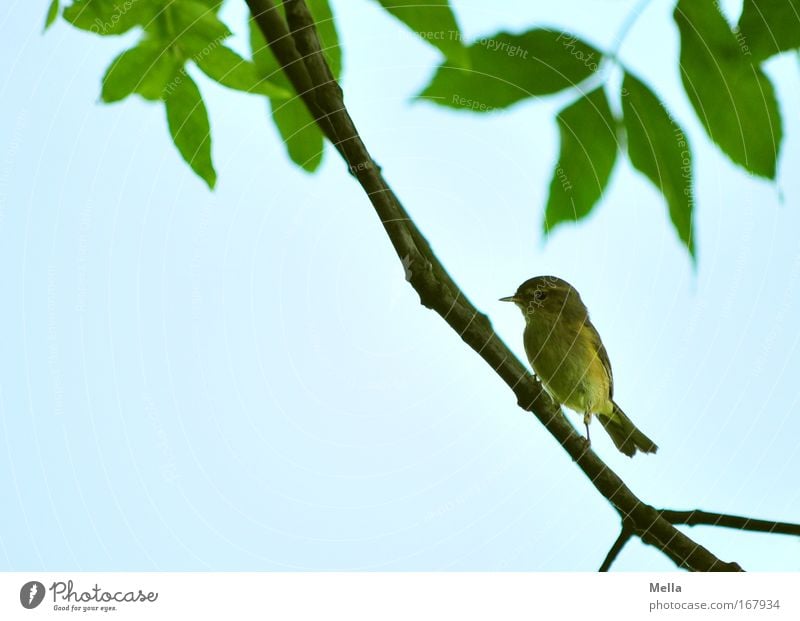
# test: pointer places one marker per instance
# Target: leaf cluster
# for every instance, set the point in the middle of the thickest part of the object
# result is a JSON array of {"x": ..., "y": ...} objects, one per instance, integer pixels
[{"x": 720, "y": 65}]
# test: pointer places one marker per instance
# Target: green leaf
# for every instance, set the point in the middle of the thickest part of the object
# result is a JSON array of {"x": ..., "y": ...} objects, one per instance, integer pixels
[
  {"x": 657, "y": 146},
  {"x": 732, "y": 97},
  {"x": 301, "y": 136},
  {"x": 434, "y": 22},
  {"x": 52, "y": 14},
  {"x": 263, "y": 58},
  {"x": 107, "y": 17},
  {"x": 587, "y": 156},
  {"x": 768, "y": 27},
  {"x": 188, "y": 124},
  {"x": 214, "y": 5},
  {"x": 225, "y": 66},
  {"x": 194, "y": 28},
  {"x": 145, "y": 69},
  {"x": 507, "y": 68}
]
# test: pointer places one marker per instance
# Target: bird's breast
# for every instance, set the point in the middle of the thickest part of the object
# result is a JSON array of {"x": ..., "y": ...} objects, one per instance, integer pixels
[{"x": 565, "y": 359}]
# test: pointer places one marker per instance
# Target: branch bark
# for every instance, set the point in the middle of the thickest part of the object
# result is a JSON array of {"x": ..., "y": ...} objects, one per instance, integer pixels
[
  {"x": 624, "y": 536},
  {"x": 294, "y": 43},
  {"x": 696, "y": 517}
]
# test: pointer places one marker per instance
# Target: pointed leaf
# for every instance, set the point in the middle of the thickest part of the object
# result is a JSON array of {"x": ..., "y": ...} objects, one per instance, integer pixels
[
  {"x": 301, "y": 136},
  {"x": 657, "y": 146},
  {"x": 225, "y": 66},
  {"x": 111, "y": 18},
  {"x": 732, "y": 97},
  {"x": 189, "y": 127},
  {"x": 145, "y": 69},
  {"x": 588, "y": 152},
  {"x": 214, "y": 5},
  {"x": 195, "y": 28},
  {"x": 434, "y": 22},
  {"x": 263, "y": 58},
  {"x": 507, "y": 68},
  {"x": 52, "y": 14},
  {"x": 768, "y": 27}
]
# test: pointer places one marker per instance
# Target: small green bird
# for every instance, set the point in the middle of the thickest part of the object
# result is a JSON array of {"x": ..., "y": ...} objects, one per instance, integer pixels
[{"x": 569, "y": 358}]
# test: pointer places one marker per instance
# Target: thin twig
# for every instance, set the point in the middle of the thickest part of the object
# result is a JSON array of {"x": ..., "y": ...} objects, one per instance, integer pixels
[
  {"x": 696, "y": 517},
  {"x": 630, "y": 20},
  {"x": 298, "y": 52},
  {"x": 624, "y": 535}
]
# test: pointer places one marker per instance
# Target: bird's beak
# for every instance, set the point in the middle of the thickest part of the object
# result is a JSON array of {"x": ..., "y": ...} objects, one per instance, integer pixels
[{"x": 511, "y": 298}]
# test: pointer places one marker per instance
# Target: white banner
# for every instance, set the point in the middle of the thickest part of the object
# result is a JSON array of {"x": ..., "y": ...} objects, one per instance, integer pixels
[{"x": 398, "y": 596}]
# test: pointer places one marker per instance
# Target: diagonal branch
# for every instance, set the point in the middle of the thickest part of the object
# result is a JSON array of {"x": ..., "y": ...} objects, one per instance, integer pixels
[{"x": 295, "y": 45}]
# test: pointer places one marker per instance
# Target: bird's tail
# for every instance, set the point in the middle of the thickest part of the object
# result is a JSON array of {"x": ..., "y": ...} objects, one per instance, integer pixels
[{"x": 627, "y": 438}]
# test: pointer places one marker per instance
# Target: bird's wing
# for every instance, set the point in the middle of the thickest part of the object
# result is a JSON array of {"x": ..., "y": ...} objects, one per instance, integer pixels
[{"x": 603, "y": 355}]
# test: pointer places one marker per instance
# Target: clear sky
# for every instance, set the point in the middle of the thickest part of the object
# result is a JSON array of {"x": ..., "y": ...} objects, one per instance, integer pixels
[{"x": 243, "y": 380}]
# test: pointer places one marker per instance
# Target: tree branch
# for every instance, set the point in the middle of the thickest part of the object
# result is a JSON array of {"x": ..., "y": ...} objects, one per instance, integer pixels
[
  {"x": 696, "y": 517},
  {"x": 295, "y": 45},
  {"x": 624, "y": 535}
]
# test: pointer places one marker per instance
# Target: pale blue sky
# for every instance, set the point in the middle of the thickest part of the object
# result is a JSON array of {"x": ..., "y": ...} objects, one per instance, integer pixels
[{"x": 243, "y": 380}]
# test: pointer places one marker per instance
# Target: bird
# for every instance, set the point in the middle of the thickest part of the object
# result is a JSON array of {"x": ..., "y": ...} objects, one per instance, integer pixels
[{"x": 569, "y": 358}]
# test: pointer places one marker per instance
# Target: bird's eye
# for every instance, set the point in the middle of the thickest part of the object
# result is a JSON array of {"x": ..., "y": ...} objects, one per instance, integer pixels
[{"x": 539, "y": 295}]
